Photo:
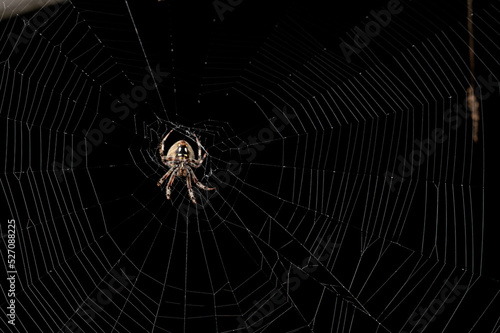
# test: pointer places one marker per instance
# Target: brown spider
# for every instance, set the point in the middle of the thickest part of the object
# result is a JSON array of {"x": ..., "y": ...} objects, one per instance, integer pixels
[{"x": 180, "y": 159}]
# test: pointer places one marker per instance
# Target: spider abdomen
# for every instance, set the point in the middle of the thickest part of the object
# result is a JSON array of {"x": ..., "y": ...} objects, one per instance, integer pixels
[{"x": 181, "y": 150}]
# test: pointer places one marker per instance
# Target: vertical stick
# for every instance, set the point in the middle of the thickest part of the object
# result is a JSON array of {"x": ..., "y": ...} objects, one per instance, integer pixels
[{"x": 472, "y": 102}]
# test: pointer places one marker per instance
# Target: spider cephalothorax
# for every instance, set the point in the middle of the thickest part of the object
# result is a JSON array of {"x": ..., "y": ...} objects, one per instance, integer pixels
[{"x": 180, "y": 159}]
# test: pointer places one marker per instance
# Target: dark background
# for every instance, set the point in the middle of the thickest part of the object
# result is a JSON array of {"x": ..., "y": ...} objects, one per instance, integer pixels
[{"x": 322, "y": 175}]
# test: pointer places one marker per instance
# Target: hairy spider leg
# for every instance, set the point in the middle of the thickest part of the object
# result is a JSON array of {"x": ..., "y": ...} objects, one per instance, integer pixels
[
  {"x": 162, "y": 143},
  {"x": 165, "y": 177},
  {"x": 193, "y": 164},
  {"x": 200, "y": 185},
  {"x": 190, "y": 190},
  {"x": 197, "y": 163},
  {"x": 200, "y": 159},
  {"x": 170, "y": 181}
]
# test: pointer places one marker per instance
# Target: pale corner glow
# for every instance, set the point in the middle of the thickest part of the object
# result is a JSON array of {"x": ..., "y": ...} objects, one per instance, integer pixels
[{"x": 9, "y": 8}]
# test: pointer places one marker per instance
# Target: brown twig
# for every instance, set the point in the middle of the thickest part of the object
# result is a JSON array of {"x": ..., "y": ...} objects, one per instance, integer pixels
[{"x": 472, "y": 102}]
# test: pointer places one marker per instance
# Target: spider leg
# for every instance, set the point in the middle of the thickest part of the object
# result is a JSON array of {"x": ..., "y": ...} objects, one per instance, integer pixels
[
  {"x": 169, "y": 185},
  {"x": 199, "y": 160},
  {"x": 195, "y": 180},
  {"x": 193, "y": 164},
  {"x": 197, "y": 163},
  {"x": 199, "y": 145},
  {"x": 190, "y": 190},
  {"x": 162, "y": 141},
  {"x": 162, "y": 179}
]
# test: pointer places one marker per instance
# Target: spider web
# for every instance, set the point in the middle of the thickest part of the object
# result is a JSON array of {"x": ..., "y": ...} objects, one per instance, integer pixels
[{"x": 316, "y": 225}]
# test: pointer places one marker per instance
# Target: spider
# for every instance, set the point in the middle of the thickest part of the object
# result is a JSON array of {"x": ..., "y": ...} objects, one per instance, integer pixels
[{"x": 180, "y": 159}]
